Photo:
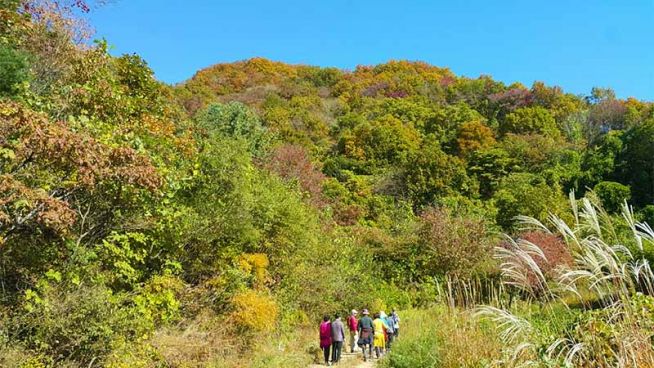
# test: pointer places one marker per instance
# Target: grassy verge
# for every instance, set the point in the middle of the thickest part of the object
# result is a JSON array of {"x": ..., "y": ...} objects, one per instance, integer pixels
[{"x": 439, "y": 337}]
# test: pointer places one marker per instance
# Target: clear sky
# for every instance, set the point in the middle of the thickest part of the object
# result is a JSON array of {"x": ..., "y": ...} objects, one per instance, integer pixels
[{"x": 576, "y": 44}]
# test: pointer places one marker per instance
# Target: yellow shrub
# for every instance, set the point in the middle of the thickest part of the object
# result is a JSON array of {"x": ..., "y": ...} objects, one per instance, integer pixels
[
  {"x": 33, "y": 363},
  {"x": 130, "y": 354},
  {"x": 378, "y": 305},
  {"x": 254, "y": 311},
  {"x": 255, "y": 263}
]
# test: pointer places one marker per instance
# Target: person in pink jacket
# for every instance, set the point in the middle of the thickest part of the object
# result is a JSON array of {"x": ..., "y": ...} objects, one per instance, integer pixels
[{"x": 326, "y": 337}]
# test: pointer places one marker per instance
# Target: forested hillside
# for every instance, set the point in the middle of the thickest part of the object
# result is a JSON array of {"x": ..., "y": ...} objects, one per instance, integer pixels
[{"x": 213, "y": 222}]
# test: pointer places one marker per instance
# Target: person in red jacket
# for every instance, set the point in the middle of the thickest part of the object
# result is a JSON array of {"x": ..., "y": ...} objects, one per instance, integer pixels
[
  {"x": 352, "y": 325},
  {"x": 326, "y": 337}
]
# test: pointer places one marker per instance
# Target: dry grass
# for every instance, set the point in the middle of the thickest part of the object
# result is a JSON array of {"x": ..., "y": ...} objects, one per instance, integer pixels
[{"x": 212, "y": 342}]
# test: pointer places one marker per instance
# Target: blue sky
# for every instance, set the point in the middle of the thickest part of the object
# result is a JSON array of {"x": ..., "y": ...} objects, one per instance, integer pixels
[{"x": 576, "y": 44}]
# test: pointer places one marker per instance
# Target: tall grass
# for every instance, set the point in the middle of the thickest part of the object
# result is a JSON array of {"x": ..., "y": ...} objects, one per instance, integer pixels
[
  {"x": 471, "y": 292},
  {"x": 443, "y": 337},
  {"x": 606, "y": 291}
]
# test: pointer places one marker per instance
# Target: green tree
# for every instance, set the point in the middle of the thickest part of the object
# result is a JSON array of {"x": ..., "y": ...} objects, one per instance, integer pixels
[
  {"x": 431, "y": 174},
  {"x": 416, "y": 112},
  {"x": 489, "y": 167},
  {"x": 381, "y": 142},
  {"x": 554, "y": 159},
  {"x": 530, "y": 120},
  {"x": 237, "y": 121},
  {"x": 14, "y": 70},
  {"x": 528, "y": 195},
  {"x": 447, "y": 122},
  {"x": 600, "y": 162},
  {"x": 637, "y": 162},
  {"x": 613, "y": 195}
]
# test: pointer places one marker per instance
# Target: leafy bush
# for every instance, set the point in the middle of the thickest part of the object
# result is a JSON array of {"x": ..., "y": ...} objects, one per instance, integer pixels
[
  {"x": 255, "y": 311},
  {"x": 14, "y": 71},
  {"x": 77, "y": 326},
  {"x": 648, "y": 215},
  {"x": 453, "y": 245},
  {"x": 292, "y": 163},
  {"x": 613, "y": 195}
]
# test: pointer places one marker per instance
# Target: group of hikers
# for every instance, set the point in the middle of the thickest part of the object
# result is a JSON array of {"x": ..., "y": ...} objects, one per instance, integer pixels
[{"x": 367, "y": 333}]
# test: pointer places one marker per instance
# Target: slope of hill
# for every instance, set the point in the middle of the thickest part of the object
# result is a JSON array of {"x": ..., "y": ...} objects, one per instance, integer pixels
[{"x": 213, "y": 223}]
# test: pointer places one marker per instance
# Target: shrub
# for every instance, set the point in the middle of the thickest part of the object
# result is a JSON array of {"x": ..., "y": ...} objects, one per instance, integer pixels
[
  {"x": 158, "y": 301},
  {"x": 554, "y": 249},
  {"x": 453, "y": 245},
  {"x": 612, "y": 194},
  {"x": 255, "y": 264},
  {"x": 555, "y": 254},
  {"x": 255, "y": 311},
  {"x": 604, "y": 280},
  {"x": 78, "y": 326},
  {"x": 647, "y": 214}
]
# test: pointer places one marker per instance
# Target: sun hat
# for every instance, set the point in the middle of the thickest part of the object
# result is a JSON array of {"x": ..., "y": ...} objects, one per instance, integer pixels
[
  {"x": 354, "y": 311},
  {"x": 365, "y": 312}
]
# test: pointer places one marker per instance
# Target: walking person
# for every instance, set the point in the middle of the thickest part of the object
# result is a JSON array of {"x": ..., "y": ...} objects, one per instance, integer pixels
[
  {"x": 338, "y": 336},
  {"x": 326, "y": 337},
  {"x": 352, "y": 326},
  {"x": 396, "y": 323},
  {"x": 365, "y": 329},
  {"x": 379, "y": 341},
  {"x": 390, "y": 331}
]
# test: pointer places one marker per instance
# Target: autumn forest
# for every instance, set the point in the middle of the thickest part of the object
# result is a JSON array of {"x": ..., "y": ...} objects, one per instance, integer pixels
[{"x": 213, "y": 222}]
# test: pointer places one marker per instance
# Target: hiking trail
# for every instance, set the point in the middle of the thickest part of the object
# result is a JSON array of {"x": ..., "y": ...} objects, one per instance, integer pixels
[{"x": 350, "y": 360}]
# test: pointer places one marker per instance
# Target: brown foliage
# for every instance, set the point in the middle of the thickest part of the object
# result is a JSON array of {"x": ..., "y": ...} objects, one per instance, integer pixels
[
  {"x": 292, "y": 162},
  {"x": 347, "y": 215},
  {"x": 21, "y": 205},
  {"x": 554, "y": 248},
  {"x": 556, "y": 254},
  {"x": 34, "y": 140},
  {"x": 44, "y": 163}
]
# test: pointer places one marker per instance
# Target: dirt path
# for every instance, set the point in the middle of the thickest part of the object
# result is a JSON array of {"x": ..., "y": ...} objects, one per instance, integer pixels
[{"x": 349, "y": 360}]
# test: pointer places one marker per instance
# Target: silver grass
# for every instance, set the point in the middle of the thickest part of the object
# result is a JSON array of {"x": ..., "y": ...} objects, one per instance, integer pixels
[
  {"x": 512, "y": 328},
  {"x": 574, "y": 207},
  {"x": 609, "y": 271},
  {"x": 531, "y": 223}
]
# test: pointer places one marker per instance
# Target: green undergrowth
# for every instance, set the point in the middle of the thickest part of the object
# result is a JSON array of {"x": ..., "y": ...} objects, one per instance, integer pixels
[{"x": 442, "y": 337}]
